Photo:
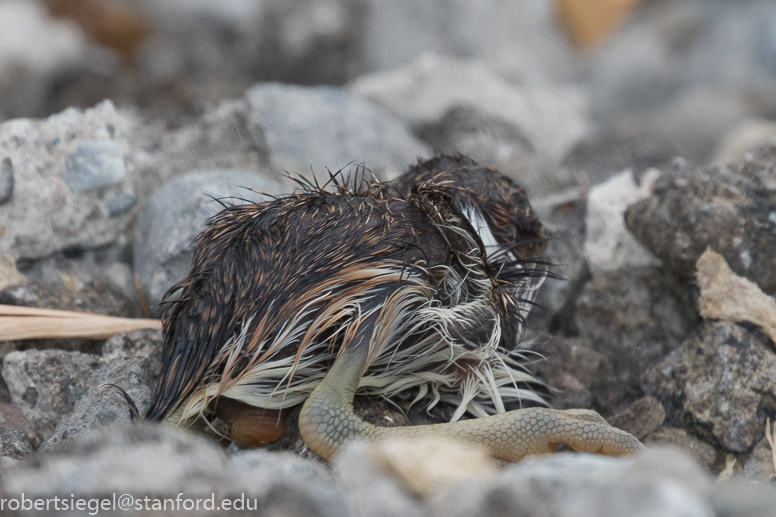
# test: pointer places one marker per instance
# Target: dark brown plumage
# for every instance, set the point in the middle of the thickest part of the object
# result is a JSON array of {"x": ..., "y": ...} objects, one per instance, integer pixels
[{"x": 439, "y": 263}]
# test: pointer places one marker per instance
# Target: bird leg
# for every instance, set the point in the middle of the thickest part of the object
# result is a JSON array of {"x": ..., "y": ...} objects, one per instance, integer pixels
[{"x": 327, "y": 422}]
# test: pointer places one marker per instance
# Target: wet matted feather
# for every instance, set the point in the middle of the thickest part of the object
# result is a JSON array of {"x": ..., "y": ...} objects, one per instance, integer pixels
[{"x": 437, "y": 268}]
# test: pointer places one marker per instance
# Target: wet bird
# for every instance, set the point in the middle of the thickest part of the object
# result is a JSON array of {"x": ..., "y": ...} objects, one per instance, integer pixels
[{"x": 357, "y": 287}]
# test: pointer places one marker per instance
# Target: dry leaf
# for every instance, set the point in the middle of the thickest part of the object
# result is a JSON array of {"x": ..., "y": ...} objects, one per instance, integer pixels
[{"x": 31, "y": 323}]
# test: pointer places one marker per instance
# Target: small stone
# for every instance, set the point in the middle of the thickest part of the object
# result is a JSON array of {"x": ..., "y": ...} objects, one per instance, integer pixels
[
  {"x": 6, "y": 180},
  {"x": 552, "y": 117},
  {"x": 320, "y": 128},
  {"x": 121, "y": 203},
  {"x": 641, "y": 419},
  {"x": 760, "y": 463},
  {"x": 369, "y": 489},
  {"x": 45, "y": 384},
  {"x": 94, "y": 164},
  {"x": 705, "y": 453},
  {"x": 426, "y": 464},
  {"x": 17, "y": 439}
]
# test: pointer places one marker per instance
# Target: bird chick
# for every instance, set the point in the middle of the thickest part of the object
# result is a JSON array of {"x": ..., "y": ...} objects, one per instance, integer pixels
[{"x": 361, "y": 287}]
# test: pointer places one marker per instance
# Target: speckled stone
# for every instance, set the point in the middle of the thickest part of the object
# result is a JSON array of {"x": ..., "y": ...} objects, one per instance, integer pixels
[{"x": 94, "y": 164}]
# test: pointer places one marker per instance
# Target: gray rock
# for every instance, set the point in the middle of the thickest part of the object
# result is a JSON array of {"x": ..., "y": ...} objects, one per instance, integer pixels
[
  {"x": 563, "y": 215},
  {"x": 144, "y": 343},
  {"x": 727, "y": 209},
  {"x": 6, "y": 180},
  {"x": 99, "y": 405},
  {"x": 486, "y": 138},
  {"x": 614, "y": 149},
  {"x": 720, "y": 383},
  {"x": 139, "y": 459},
  {"x": 326, "y": 128},
  {"x": 46, "y": 164},
  {"x": 173, "y": 217},
  {"x": 573, "y": 367},
  {"x": 760, "y": 462},
  {"x": 661, "y": 482},
  {"x": 161, "y": 462},
  {"x": 92, "y": 168},
  {"x": 45, "y": 384},
  {"x": 553, "y": 118},
  {"x": 94, "y": 164},
  {"x": 634, "y": 317},
  {"x": 280, "y": 464},
  {"x": 227, "y": 135},
  {"x": 121, "y": 203},
  {"x": 740, "y": 497},
  {"x": 642, "y": 418},
  {"x": 17, "y": 439},
  {"x": 703, "y": 452}
]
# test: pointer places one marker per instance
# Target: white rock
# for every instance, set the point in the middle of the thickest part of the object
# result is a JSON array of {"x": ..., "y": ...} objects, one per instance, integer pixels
[{"x": 609, "y": 245}]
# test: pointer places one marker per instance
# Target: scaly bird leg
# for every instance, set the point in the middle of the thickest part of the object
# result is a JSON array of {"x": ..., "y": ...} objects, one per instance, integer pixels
[{"x": 327, "y": 422}]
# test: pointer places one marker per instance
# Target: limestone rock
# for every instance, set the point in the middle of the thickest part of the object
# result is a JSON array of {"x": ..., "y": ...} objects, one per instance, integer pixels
[
  {"x": 726, "y": 296},
  {"x": 145, "y": 343}
]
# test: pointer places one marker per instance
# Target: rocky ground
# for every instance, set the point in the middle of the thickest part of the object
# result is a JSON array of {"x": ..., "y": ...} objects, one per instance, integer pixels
[{"x": 637, "y": 157}]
